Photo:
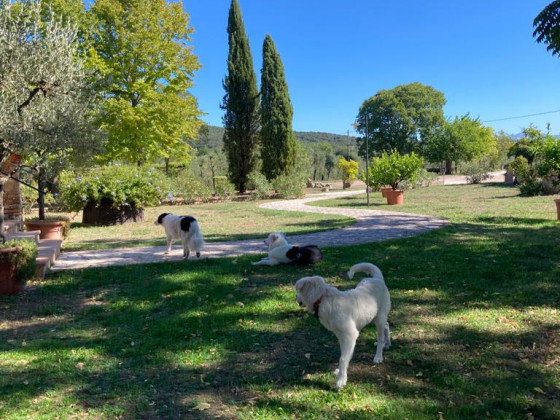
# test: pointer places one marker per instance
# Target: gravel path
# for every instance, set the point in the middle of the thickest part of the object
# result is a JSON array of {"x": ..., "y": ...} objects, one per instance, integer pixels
[{"x": 370, "y": 226}]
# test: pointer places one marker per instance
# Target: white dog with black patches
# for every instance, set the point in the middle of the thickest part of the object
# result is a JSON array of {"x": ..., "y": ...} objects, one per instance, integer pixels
[
  {"x": 183, "y": 228},
  {"x": 282, "y": 252},
  {"x": 345, "y": 313}
]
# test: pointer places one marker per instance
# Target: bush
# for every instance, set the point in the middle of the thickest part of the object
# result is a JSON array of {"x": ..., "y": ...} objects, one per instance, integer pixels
[
  {"x": 394, "y": 169},
  {"x": 123, "y": 185},
  {"x": 192, "y": 188},
  {"x": 259, "y": 185},
  {"x": 288, "y": 186},
  {"x": 475, "y": 172},
  {"x": 527, "y": 178},
  {"x": 348, "y": 169},
  {"x": 25, "y": 260}
]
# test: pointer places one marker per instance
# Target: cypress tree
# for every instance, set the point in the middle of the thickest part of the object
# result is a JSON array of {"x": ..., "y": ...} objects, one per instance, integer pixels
[
  {"x": 278, "y": 141},
  {"x": 241, "y": 102}
]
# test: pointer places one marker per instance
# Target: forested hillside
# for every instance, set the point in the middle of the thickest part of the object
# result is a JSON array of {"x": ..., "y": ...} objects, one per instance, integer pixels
[{"x": 211, "y": 137}]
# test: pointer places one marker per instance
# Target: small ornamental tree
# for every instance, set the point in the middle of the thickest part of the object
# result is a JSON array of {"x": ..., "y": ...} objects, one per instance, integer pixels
[
  {"x": 47, "y": 106},
  {"x": 393, "y": 169},
  {"x": 349, "y": 171}
]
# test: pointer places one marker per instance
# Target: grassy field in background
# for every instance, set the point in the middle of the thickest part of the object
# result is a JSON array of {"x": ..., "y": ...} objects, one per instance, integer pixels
[
  {"x": 475, "y": 327},
  {"x": 226, "y": 221}
]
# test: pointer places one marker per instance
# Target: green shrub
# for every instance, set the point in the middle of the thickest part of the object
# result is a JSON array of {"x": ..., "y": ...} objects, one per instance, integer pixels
[
  {"x": 224, "y": 189},
  {"x": 25, "y": 260},
  {"x": 529, "y": 182},
  {"x": 394, "y": 169},
  {"x": 123, "y": 185},
  {"x": 258, "y": 185},
  {"x": 476, "y": 172},
  {"x": 289, "y": 186},
  {"x": 192, "y": 188}
]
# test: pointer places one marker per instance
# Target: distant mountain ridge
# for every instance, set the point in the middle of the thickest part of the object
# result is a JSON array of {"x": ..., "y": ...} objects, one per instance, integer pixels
[{"x": 214, "y": 137}]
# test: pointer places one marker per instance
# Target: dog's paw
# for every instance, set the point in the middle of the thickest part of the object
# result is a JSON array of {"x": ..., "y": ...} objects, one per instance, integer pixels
[
  {"x": 378, "y": 359},
  {"x": 340, "y": 383},
  {"x": 336, "y": 371}
]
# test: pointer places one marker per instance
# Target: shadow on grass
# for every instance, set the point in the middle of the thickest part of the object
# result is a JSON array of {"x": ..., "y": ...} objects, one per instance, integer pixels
[{"x": 153, "y": 341}]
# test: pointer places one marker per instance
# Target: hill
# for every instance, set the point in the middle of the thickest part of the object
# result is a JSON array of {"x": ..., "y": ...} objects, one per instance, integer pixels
[{"x": 213, "y": 135}]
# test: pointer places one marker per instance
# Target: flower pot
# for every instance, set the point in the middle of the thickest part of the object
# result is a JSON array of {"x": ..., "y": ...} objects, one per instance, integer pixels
[
  {"x": 384, "y": 191},
  {"x": 394, "y": 197},
  {"x": 9, "y": 283},
  {"x": 557, "y": 208},
  {"x": 50, "y": 229}
]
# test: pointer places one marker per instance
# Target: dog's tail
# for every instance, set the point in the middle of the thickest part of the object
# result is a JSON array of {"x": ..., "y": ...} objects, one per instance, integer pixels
[
  {"x": 367, "y": 268},
  {"x": 196, "y": 240}
]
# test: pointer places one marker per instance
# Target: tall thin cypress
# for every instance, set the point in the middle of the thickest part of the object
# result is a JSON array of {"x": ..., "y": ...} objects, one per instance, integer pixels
[
  {"x": 241, "y": 102},
  {"x": 278, "y": 144}
]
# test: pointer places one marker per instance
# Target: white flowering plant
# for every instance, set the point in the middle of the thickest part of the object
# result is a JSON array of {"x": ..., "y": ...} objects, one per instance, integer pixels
[{"x": 123, "y": 185}]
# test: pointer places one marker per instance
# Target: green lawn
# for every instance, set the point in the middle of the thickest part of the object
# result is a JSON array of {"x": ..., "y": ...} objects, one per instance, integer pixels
[
  {"x": 475, "y": 327},
  {"x": 226, "y": 221}
]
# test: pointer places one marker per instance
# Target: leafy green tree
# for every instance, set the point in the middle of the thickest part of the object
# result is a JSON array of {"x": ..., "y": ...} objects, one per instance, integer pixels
[
  {"x": 462, "y": 139},
  {"x": 394, "y": 169},
  {"x": 547, "y": 27},
  {"x": 527, "y": 145},
  {"x": 241, "y": 103},
  {"x": 141, "y": 47},
  {"x": 402, "y": 119},
  {"x": 47, "y": 106},
  {"x": 348, "y": 169},
  {"x": 278, "y": 143}
]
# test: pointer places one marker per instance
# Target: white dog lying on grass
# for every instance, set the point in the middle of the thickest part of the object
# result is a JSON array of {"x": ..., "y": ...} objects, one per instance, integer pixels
[
  {"x": 345, "y": 313},
  {"x": 183, "y": 228},
  {"x": 282, "y": 252}
]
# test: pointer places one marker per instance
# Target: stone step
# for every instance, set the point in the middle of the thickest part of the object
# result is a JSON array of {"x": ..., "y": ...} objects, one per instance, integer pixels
[
  {"x": 49, "y": 250},
  {"x": 32, "y": 235}
]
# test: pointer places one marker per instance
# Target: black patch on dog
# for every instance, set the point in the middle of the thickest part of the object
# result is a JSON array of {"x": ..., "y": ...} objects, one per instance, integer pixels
[
  {"x": 186, "y": 222},
  {"x": 161, "y": 217},
  {"x": 309, "y": 254}
]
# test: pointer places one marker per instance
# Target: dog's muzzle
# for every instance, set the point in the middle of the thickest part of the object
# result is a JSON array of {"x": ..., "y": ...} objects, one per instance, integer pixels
[{"x": 299, "y": 300}]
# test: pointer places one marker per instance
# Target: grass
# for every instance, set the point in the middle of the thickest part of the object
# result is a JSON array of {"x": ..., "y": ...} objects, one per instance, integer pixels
[
  {"x": 225, "y": 221},
  {"x": 475, "y": 325}
]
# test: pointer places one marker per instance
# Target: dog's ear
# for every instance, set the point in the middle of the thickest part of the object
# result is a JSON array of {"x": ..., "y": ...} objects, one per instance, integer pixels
[{"x": 311, "y": 287}]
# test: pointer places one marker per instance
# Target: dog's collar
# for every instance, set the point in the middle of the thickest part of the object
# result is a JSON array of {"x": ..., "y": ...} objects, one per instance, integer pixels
[{"x": 316, "y": 307}]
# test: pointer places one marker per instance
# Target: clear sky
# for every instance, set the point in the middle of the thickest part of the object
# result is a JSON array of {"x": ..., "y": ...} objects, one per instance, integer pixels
[{"x": 480, "y": 53}]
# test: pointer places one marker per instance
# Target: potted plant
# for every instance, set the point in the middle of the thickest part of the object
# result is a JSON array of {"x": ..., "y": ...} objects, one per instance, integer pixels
[
  {"x": 393, "y": 169},
  {"x": 18, "y": 262},
  {"x": 349, "y": 170},
  {"x": 113, "y": 194},
  {"x": 51, "y": 227}
]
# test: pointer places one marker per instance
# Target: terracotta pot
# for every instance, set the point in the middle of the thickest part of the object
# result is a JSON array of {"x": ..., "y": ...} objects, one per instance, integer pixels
[
  {"x": 557, "y": 208},
  {"x": 49, "y": 229},
  {"x": 8, "y": 280},
  {"x": 394, "y": 197},
  {"x": 384, "y": 191}
]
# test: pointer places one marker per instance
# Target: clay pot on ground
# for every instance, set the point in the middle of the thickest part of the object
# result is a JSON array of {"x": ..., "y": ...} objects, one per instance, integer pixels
[
  {"x": 384, "y": 191},
  {"x": 394, "y": 197},
  {"x": 50, "y": 229},
  {"x": 9, "y": 283}
]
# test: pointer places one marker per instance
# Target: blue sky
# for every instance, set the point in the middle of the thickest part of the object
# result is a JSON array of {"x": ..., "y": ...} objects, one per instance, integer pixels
[{"x": 480, "y": 54}]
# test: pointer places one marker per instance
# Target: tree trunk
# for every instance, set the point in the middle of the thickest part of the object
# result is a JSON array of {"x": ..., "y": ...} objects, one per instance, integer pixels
[
  {"x": 41, "y": 184},
  {"x": 448, "y": 167},
  {"x": 3, "y": 179}
]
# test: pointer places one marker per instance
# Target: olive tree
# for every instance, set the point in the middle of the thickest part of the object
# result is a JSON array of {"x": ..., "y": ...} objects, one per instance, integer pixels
[{"x": 47, "y": 108}]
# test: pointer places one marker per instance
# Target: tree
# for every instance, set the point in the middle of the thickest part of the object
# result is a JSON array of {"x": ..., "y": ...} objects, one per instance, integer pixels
[
  {"x": 241, "y": 103},
  {"x": 349, "y": 171},
  {"x": 47, "y": 106},
  {"x": 463, "y": 139},
  {"x": 278, "y": 143},
  {"x": 547, "y": 27},
  {"x": 402, "y": 119},
  {"x": 141, "y": 47}
]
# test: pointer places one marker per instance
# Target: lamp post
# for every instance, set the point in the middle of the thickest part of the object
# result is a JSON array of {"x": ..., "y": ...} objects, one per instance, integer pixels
[{"x": 356, "y": 125}]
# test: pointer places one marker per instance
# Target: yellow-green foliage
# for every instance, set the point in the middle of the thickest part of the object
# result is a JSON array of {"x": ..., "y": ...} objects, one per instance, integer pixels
[{"x": 348, "y": 168}]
